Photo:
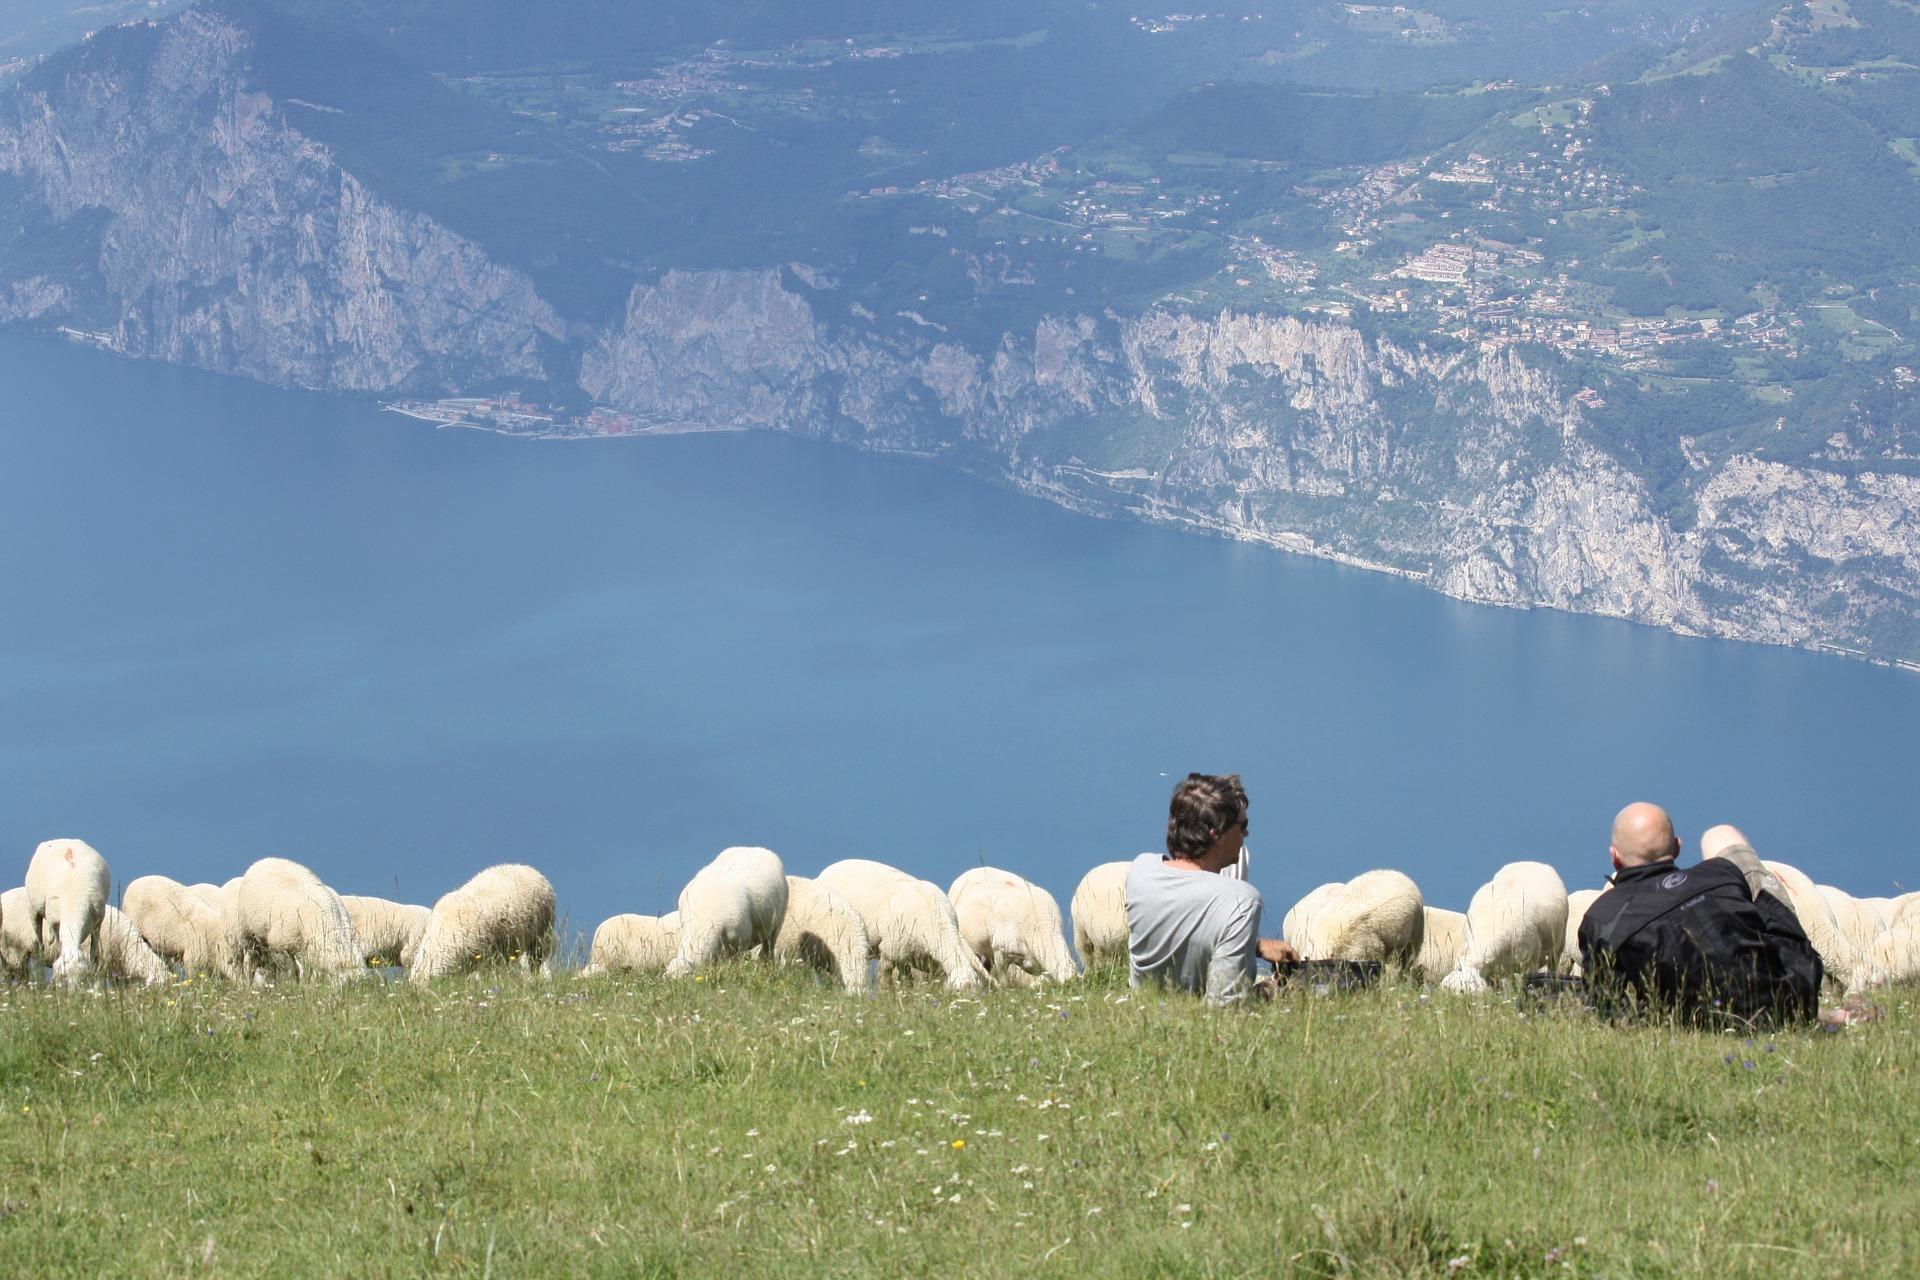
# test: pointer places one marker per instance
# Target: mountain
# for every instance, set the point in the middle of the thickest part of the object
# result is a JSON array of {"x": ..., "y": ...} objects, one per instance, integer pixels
[{"x": 1638, "y": 346}]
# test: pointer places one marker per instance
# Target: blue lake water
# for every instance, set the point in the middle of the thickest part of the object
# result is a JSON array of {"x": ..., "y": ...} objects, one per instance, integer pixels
[{"x": 241, "y": 622}]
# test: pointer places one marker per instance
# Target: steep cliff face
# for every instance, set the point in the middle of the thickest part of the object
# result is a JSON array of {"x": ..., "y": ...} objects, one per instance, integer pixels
[
  {"x": 1472, "y": 471},
  {"x": 199, "y": 227}
]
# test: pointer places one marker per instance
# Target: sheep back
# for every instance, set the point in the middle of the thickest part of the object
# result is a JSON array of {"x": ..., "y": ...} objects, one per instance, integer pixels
[
  {"x": 1011, "y": 924},
  {"x": 505, "y": 912},
  {"x": 67, "y": 889},
  {"x": 1099, "y": 911},
  {"x": 1442, "y": 939},
  {"x": 388, "y": 931},
  {"x": 1517, "y": 922},
  {"x": 1377, "y": 915},
  {"x": 178, "y": 924},
  {"x": 19, "y": 941},
  {"x": 910, "y": 923},
  {"x": 822, "y": 929},
  {"x": 1577, "y": 903},
  {"x": 125, "y": 954},
  {"x": 282, "y": 912},
  {"x": 732, "y": 905},
  {"x": 630, "y": 943}
]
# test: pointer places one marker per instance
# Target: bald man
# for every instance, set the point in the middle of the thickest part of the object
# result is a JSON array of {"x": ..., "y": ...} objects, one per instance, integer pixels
[{"x": 1708, "y": 943}]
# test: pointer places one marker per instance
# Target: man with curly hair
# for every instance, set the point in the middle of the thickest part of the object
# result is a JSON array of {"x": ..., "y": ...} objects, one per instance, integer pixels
[{"x": 1188, "y": 926}]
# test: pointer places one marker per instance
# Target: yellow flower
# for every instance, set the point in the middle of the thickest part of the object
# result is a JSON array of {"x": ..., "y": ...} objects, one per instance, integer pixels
[{"x": 959, "y": 1143}]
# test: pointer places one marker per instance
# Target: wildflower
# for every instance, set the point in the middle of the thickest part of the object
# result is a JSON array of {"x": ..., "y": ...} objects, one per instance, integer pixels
[
  {"x": 958, "y": 1144},
  {"x": 753, "y": 1133},
  {"x": 858, "y": 1117},
  {"x": 1454, "y": 1264}
]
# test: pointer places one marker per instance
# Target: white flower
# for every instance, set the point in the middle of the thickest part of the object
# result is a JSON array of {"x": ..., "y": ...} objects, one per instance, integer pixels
[{"x": 858, "y": 1117}]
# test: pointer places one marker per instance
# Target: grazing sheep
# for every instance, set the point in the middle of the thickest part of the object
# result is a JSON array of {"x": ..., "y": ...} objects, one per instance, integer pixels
[
  {"x": 19, "y": 944},
  {"x": 1577, "y": 903},
  {"x": 910, "y": 923},
  {"x": 731, "y": 906},
  {"x": 1376, "y": 916},
  {"x": 67, "y": 890},
  {"x": 1012, "y": 925},
  {"x": 211, "y": 894},
  {"x": 1516, "y": 923},
  {"x": 634, "y": 944},
  {"x": 279, "y": 913},
  {"x": 1905, "y": 907},
  {"x": 1299, "y": 920},
  {"x": 1897, "y": 951},
  {"x": 1846, "y": 965},
  {"x": 1099, "y": 910},
  {"x": 179, "y": 925},
  {"x": 1442, "y": 939},
  {"x": 503, "y": 913},
  {"x": 822, "y": 929},
  {"x": 125, "y": 954},
  {"x": 1859, "y": 922},
  {"x": 388, "y": 931}
]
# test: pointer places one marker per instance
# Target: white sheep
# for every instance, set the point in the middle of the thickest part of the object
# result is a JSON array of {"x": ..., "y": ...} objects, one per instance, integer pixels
[
  {"x": 732, "y": 905},
  {"x": 1012, "y": 925},
  {"x": 822, "y": 929},
  {"x": 1577, "y": 903},
  {"x": 125, "y": 954},
  {"x": 910, "y": 923},
  {"x": 1376, "y": 916},
  {"x": 1897, "y": 951},
  {"x": 212, "y": 894},
  {"x": 67, "y": 890},
  {"x": 19, "y": 943},
  {"x": 281, "y": 913},
  {"x": 1299, "y": 920},
  {"x": 503, "y": 913},
  {"x": 388, "y": 931},
  {"x": 1442, "y": 940},
  {"x": 1516, "y": 923},
  {"x": 179, "y": 925},
  {"x": 1846, "y": 965},
  {"x": 1905, "y": 907},
  {"x": 1859, "y": 922},
  {"x": 632, "y": 943},
  {"x": 1099, "y": 911}
]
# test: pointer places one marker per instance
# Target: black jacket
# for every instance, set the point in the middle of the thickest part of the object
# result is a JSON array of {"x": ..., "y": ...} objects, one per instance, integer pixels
[{"x": 1694, "y": 942}]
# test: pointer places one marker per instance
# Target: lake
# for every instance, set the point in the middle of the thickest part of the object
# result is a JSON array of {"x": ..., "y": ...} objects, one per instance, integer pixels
[{"x": 241, "y": 622}]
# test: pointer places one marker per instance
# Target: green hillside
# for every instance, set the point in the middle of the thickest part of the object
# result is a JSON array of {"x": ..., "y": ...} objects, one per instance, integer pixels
[{"x": 754, "y": 1123}]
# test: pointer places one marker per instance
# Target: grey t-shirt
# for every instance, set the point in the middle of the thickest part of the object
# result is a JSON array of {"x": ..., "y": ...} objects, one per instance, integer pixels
[{"x": 1199, "y": 932}]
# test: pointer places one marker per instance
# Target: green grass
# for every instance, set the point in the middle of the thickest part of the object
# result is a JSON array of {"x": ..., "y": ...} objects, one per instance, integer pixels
[{"x": 755, "y": 1123}]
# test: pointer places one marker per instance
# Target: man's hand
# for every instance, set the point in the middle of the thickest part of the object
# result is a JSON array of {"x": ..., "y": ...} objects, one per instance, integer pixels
[{"x": 1274, "y": 951}]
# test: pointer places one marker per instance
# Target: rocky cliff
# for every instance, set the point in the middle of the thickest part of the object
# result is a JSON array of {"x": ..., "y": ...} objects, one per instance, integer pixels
[
  {"x": 1471, "y": 471},
  {"x": 156, "y": 197},
  {"x": 161, "y": 201}
]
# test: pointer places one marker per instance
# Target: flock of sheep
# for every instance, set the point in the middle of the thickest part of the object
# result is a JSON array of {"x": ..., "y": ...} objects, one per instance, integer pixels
[{"x": 989, "y": 927}]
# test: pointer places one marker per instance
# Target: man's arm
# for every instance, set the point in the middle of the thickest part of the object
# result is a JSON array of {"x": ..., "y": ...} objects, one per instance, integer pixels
[
  {"x": 1275, "y": 951},
  {"x": 1230, "y": 971}
]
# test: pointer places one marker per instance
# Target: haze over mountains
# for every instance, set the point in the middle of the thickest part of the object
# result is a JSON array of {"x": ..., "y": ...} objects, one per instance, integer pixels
[{"x": 1611, "y": 310}]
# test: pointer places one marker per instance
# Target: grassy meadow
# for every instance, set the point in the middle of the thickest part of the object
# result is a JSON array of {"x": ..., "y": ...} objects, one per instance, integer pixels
[{"x": 755, "y": 1123}]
